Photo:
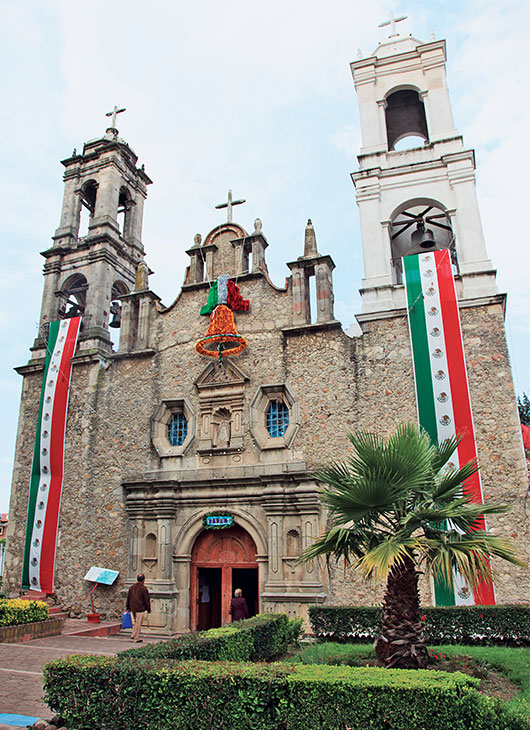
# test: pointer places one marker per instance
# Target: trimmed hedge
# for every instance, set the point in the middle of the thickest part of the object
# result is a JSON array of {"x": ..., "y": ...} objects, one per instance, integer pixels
[
  {"x": 112, "y": 694},
  {"x": 260, "y": 638},
  {"x": 506, "y": 625},
  {"x": 16, "y": 611}
]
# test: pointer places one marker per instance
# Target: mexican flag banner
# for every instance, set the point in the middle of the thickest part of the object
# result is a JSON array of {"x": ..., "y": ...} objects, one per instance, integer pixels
[
  {"x": 48, "y": 456},
  {"x": 442, "y": 393}
]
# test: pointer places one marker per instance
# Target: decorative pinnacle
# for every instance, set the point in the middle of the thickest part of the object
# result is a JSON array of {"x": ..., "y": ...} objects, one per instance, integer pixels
[{"x": 310, "y": 243}]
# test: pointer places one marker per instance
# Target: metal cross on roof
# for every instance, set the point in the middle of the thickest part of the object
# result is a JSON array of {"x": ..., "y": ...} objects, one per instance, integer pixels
[
  {"x": 229, "y": 205},
  {"x": 113, "y": 114},
  {"x": 392, "y": 23}
]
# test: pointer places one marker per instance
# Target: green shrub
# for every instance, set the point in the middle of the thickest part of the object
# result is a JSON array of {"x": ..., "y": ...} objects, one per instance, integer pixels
[
  {"x": 110, "y": 693},
  {"x": 260, "y": 638},
  {"x": 506, "y": 625},
  {"x": 16, "y": 611}
]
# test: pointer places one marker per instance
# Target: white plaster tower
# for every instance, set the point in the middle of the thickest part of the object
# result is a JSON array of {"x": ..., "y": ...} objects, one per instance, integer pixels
[{"x": 416, "y": 180}]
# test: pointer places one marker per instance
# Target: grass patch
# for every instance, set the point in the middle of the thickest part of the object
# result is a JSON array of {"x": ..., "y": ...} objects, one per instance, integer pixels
[{"x": 514, "y": 663}]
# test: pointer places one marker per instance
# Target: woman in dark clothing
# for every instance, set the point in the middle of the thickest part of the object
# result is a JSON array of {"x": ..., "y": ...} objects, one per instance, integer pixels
[{"x": 238, "y": 606}]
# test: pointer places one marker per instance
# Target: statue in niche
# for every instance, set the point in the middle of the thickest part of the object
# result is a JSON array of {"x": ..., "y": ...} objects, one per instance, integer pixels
[{"x": 222, "y": 428}]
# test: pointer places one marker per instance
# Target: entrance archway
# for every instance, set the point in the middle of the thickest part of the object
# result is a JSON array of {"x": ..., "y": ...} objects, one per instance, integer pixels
[{"x": 221, "y": 561}]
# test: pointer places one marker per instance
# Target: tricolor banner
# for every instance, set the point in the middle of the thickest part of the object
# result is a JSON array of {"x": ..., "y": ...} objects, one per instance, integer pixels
[
  {"x": 48, "y": 457},
  {"x": 442, "y": 393}
]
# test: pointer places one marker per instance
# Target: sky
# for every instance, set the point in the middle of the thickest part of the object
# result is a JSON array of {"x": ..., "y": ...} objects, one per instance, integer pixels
[{"x": 253, "y": 97}]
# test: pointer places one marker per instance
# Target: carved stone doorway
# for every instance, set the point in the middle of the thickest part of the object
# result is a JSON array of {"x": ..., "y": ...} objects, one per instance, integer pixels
[{"x": 221, "y": 561}]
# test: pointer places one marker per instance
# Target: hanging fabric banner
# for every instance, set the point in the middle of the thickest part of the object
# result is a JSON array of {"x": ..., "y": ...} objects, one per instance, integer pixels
[
  {"x": 442, "y": 393},
  {"x": 48, "y": 458}
]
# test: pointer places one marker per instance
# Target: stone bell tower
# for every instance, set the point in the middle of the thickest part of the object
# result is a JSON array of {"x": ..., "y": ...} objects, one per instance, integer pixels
[
  {"x": 88, "y": 271},
  {"x": 416, "y": 181}
]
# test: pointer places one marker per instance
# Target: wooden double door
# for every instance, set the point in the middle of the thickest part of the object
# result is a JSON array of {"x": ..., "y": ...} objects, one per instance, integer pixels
[{"x": 221, "y": 561}]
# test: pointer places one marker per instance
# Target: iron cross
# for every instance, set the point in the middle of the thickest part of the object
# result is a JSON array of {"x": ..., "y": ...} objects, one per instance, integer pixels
[
  {"x": 113, "y": 114},
  {"x": 392, "y": 23},
  {"x": 229, "y": 205}
]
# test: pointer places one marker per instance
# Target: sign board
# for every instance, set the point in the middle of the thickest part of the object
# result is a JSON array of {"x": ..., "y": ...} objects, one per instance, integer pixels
[
  {"x": 102, "y": 575},
  {"x": 219, "y": 521}
]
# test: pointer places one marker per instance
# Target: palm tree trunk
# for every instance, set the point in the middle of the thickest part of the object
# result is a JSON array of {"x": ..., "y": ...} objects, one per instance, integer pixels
[{"x": 400, "y": 641}]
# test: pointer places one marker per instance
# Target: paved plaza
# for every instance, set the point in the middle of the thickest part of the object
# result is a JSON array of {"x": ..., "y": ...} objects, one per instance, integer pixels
[{"x": 21, "y": 667}]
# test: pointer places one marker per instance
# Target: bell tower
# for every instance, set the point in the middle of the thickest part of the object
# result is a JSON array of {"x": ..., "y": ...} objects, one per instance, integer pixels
[
  {"x": 415, "y": 184},
  {"x": 98, "y": 245}
]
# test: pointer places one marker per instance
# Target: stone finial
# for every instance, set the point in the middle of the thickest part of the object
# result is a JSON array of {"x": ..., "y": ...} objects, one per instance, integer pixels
[
  {"x": 142, "y": 277},
  {"x": 359, "y": 54},
  {"x": 310, "y": 244},
  {"x": 197, "y": 240},
  {"x": 258, "y": 225},
  {"x": 74, "y": 152},
  {"x": 432, "y": 37}
]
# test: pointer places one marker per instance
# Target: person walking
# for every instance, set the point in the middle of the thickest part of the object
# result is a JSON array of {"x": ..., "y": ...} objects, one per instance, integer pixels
[
  {"x": 138, "y": 603},
  {"x": 238, "y": 606}
]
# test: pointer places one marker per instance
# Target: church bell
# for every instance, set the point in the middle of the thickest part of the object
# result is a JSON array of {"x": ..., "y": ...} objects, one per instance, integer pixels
[
  {"x": 115, "y": 310},
  {"x": 222, "y": 337},
  {"x": 422, "y": 236}
]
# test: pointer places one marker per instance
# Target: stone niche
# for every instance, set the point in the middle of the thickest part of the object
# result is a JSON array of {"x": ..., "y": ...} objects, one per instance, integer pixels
[{"x": 221, "y": 398}]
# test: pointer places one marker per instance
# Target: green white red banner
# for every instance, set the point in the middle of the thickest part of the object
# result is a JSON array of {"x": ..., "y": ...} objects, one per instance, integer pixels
[
  {"x": 442, "y": 393},
  {"x": 46, "y": 480}
]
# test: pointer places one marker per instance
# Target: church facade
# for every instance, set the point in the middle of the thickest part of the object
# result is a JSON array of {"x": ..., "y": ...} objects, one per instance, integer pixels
[{"x": 197, "y": 470}]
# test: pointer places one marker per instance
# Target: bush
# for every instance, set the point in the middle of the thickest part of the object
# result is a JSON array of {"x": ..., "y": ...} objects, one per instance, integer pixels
[
  {"x": 107, "y": 692},
  {"x": 506, "y": 625},
  {"x": 16, "y": 611},
  {"x": 260, "y": 638}
]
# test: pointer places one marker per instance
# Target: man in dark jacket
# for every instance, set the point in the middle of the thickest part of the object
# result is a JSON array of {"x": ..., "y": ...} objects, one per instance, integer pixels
[
  {"x": 238, "y": 606},
  {"x": 138, "y": 603}
]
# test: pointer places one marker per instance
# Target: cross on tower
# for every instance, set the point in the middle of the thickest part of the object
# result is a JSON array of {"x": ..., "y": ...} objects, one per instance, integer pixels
[
  {"x": 392, "y": 23},
  {"x": 229, "y": 205},
  {"x": 113, "y": 114}
]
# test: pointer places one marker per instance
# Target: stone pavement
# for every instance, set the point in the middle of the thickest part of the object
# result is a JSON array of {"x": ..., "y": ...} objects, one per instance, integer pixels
[{"x": 21, "y": 668}]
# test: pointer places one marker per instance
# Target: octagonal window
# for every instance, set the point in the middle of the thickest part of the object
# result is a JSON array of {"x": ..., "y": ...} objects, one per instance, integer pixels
[{"x": 177, "y": 429}]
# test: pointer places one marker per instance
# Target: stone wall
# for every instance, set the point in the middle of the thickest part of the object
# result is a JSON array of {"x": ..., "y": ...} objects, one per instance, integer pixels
[{"x": 338, "y": 383}]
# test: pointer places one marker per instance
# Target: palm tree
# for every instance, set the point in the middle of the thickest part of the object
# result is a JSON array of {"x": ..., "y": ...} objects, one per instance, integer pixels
[{"x": 396, "y": 510}]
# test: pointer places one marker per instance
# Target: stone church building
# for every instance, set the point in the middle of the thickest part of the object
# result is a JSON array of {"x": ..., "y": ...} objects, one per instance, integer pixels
[{"x": 162, "y": 440}]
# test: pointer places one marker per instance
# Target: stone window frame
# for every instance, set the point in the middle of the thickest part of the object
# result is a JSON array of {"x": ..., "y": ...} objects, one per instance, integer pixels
[
  {"x": 258, "y": 415},
  {"x": 159, "y": 423}
]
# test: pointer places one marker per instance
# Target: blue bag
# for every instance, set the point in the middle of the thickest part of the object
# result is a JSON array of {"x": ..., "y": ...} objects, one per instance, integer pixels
[{"x": 126, "y": 622}]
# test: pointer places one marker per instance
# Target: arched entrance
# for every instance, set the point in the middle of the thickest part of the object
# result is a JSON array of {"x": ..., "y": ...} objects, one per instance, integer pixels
[{"x": 221, "y": 561}]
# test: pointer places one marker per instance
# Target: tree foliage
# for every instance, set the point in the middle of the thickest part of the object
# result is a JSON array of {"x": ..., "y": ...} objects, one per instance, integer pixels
[{"x": 399, "y": 506}]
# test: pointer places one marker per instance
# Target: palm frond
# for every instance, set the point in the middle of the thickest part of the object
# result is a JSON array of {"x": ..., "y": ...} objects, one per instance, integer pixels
[
  {"x": 444, "y": 451},
  {"x": 340, "y": 542},
  {"x": 449, "y": 482},
  {"x": 377, "y": 562}
]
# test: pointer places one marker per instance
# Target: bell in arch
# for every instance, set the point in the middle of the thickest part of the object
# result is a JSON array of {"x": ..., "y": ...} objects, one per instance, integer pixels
[
  {"x": 423, "y": 237},
  {"x": 115, "y": 310},
  {"x": 222, "y": 337}
]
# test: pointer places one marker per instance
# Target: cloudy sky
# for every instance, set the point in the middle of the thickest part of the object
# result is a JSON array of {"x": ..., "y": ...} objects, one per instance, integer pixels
[{"x": 257, "y": 97}]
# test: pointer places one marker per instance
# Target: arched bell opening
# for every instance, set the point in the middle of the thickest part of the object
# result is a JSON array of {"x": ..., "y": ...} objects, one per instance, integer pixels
[
  {"x": 417, "y": 227},
  {"x": 72, "y": 297},
  {"x": 221, "y": 561},
  {"x": 124, "y": 212},
  {"x": 406, "y": 123},
  {"x": 119, "y": 289},
  {"x": 88, "y": 194}
]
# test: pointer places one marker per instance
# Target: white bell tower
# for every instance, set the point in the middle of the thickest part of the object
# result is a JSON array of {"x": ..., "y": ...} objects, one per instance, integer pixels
[{"x": 415, "y": 184}]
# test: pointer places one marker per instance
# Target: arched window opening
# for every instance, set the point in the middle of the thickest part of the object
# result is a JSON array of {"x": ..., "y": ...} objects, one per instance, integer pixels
[
  {"x": 88, "y": 207},
  {"x": 405, "y": 119},
  {"x": 417, "y": 229},
  {"x": 123, "y": 215},
  {"x": 73, "y": 297},
  {"x": 277, "y": 418}
]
